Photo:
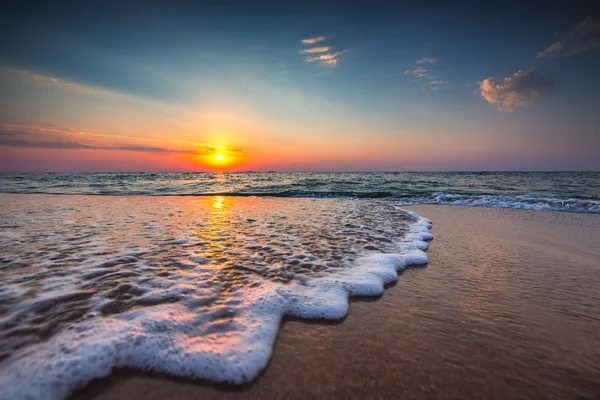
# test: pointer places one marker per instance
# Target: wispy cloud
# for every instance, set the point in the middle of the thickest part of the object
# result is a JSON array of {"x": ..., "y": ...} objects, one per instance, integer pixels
[
  {"x": 438, "y": 84},
  {"x": 313, "y": 40},
  {"x": 427, "y": 60},
  {"x": 50, "y": 137},
  {"x": 322, "y": 49},
  {"x": 418, "y": 73},
  {"x": 13, "y": 142},
  {"x": 329, "y": 58},
  {"x": 583, "y": 37},
  {"x": 521, "y": 89},
  {"x": 205, "y": 149},
  {"x": 65, "y": 85},
  {"x": 424, "y": 75}
]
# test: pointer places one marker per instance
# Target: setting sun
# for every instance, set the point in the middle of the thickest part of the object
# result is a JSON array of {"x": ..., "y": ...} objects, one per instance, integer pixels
[{"x": 218, "y": 157}]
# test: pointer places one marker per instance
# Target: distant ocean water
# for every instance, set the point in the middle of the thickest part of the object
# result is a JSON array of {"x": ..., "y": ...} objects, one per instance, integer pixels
[{"x": 559, "y": 191}]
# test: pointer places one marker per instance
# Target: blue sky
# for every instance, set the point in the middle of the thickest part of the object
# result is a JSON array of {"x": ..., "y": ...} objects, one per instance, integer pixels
[{"x": 403, "y": 87}]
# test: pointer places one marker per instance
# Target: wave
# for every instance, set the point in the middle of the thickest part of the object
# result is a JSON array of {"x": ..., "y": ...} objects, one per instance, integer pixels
[
  {"x": 189, "y": 287},
  {"x": 524, "y": 202},
  {"x": 572, "y": 191}
]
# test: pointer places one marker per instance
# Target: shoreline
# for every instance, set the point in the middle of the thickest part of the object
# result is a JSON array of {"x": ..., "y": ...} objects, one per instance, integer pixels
[
  {"x": 583, "y": 205},
  {"x": 505, "y": 309}
]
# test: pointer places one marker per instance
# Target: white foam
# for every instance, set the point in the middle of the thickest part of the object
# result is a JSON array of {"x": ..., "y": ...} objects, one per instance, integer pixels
[
  {"x": 231, "y": 342},
  {"x": 524, "y": 202}
]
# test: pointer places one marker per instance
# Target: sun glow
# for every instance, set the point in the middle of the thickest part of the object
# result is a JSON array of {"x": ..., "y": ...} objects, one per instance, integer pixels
[{"x": 219, "y": 158}]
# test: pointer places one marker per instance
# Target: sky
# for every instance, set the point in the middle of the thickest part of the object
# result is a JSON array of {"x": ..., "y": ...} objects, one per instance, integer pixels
[{"x": 299, "y": 86}]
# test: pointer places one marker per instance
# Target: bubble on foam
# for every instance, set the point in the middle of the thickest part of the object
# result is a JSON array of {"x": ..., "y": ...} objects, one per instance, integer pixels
[{"x": 216, "y": 313}]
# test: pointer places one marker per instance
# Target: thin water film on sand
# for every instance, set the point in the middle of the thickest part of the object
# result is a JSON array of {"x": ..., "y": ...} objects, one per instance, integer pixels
[{"x": 190, "y": 286}]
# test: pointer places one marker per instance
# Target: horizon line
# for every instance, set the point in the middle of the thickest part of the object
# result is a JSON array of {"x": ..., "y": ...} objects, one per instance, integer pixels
[{"x": 299, "y": 172}]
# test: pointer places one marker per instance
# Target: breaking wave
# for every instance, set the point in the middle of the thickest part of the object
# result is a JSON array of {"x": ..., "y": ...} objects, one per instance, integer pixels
[{"x": 525, "y": 202}]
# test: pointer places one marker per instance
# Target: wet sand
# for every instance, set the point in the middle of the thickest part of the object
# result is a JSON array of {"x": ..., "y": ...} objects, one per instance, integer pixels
[{"x": 508, "y": 307}]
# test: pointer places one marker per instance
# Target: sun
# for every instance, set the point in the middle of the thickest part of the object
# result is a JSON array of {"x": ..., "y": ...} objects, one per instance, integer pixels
[{"x": 218, "y": 158}]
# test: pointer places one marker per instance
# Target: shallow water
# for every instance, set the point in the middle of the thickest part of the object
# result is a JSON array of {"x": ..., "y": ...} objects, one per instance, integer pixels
[
  {"x": 191, "y": 286},
  {"x": 507, "y": 308}
]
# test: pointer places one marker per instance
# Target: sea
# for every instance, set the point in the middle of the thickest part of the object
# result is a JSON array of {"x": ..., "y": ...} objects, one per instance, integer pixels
[
  {"x": 557, "y": 191},
  {"x": 191, "y": 274}
]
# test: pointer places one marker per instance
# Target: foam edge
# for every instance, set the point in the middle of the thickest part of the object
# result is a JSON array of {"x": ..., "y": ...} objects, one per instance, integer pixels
[{"x": 158, "y": 339}]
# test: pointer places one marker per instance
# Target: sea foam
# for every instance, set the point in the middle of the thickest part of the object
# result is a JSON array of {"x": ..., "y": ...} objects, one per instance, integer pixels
[
  {"x": 522, "y": 202},
  {"x": 190, "y": 287}
]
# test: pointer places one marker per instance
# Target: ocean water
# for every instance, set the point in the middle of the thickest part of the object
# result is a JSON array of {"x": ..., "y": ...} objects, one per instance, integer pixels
[
  {"x": 559, "y": 191},
  {"x": 192, "y": 286},
  {"x": 190, "y": 274}
]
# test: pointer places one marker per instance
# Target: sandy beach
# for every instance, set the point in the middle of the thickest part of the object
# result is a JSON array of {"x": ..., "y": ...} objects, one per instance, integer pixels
[{"x": 506, "y": 308}]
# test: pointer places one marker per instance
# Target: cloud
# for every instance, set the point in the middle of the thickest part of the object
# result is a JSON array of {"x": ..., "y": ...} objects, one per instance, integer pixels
[
  {"x": 49, "y": 137},
  {"x": 422, "y": 75},
  {"x": 12, "y": 142},
  {"x": 583, "y": 37},
  {"x": 65, "y": 85},
  {"x": 418, "y": 73},
  {"x": 329, "y": 58},
  {"x": 313, "y": 40},
  {"x": 322, "y": 49},
  {"x": 521, "y": 89},
  {"x": 205, "y": 149},
  {"x": 438, "y": 84}
]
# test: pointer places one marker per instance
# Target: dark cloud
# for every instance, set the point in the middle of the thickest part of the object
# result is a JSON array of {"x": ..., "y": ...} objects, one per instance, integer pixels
[
  {"x": 521, "y": 89},
  {"x": 583, "y": 37},
  {"x": 13, "y": 142},
  {"x": 44, "y": 137}
]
